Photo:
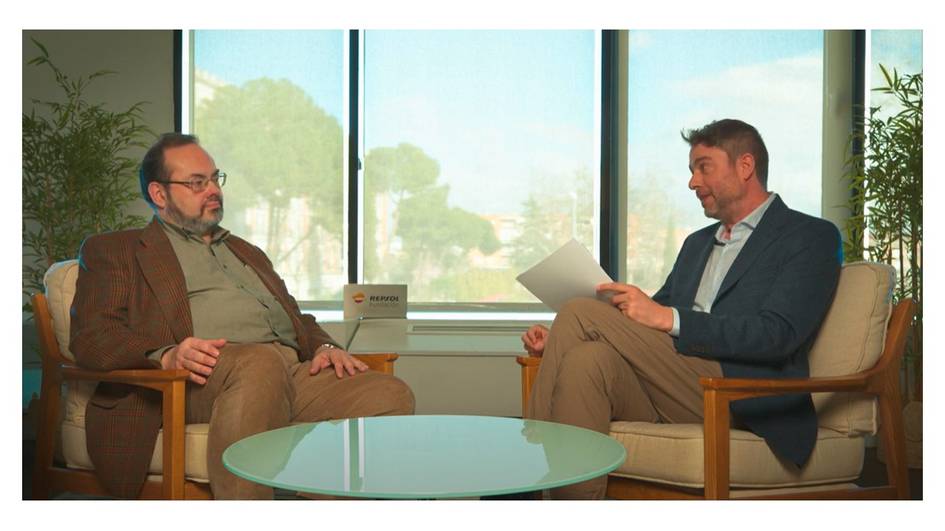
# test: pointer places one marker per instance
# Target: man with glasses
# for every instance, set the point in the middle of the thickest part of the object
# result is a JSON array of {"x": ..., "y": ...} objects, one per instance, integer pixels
[{"x": 184, "y": 293}]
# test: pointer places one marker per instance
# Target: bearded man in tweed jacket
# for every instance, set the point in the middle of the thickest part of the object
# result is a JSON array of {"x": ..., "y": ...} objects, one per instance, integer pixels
[{"x": 184, "y": 293}]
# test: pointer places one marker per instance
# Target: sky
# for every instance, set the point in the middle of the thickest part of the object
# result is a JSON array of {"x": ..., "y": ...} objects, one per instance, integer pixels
[
  {"x": 515, "y": 110},
  {"x": 495, "y": 109}
]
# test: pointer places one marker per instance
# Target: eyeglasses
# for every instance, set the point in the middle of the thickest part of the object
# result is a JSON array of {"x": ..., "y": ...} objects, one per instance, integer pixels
[{"x": 199, "y": 184}]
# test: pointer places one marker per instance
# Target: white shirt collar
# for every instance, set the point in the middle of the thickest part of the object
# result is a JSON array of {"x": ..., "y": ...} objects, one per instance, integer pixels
[{"x": 743, "y": 228}]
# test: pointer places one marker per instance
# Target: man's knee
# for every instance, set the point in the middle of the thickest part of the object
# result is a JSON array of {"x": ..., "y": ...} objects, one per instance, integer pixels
[
  {"x": 388, "y": 395},
  {"x": 583, "y": 306},
  {"x": 588, "y": 360},
  {"x": 400, "y": 396},
  {"x": 261, "y": 364}
]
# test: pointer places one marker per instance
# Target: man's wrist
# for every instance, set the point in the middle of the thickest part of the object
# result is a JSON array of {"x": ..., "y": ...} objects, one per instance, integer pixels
[
  {"x": 674, "y": 331},
  {"x": 323, "y": 347},
  {"x": 160, "y": 354}
]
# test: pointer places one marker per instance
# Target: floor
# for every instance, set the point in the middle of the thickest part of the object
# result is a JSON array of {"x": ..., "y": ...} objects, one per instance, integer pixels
[{"x": 874, "y": 473}]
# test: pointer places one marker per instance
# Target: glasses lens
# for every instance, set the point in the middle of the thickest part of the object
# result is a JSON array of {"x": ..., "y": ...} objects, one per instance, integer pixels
[
  {"x": 220, "y": 179},
  {"x": 198, "y": 184}
]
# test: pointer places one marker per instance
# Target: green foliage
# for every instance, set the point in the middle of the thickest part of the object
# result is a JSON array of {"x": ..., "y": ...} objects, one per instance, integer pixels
[
  {"x": 652, "y": 242},
  {"x": 551, "y": 218},
  {"x": 278, "y": 146},
  {"x": 76, "y": 179},
  {"x": 435, "y": 239},
  {"x": 887, "y": 191}
]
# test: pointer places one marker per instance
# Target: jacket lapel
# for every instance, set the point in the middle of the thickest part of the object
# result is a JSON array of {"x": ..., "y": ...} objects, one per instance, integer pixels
[
  {"x": 163, "y": 273},
  {"x": 690, "y": 284},
  {"x": 764, "y": 235}
]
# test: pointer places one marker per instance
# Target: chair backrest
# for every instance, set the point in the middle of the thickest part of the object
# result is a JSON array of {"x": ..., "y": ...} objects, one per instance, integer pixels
[
  {"x": 60, "y": 282},
  {"x": 60, "y": 289},
  {"x": 851, "y": 340}
]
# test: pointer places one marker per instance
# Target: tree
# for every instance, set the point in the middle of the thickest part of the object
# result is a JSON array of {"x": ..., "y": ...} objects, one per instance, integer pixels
[
  {"x": 278, "y": 146},
  {"x": 411, "y": 233},
  {"x": 651, "y": 235},
  {"x": 551, "y": 218}
]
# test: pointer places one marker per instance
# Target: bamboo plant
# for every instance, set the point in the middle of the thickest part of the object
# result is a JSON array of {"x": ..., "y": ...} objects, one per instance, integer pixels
[
  {"x": 886, "y": 180},
  {"x": 77, "y": 179}
]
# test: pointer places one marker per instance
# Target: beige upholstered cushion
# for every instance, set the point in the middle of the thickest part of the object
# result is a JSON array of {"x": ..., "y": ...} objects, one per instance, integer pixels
[
  {"x": 851, "y": 340},
  {"x": 60, "y": 282},
  {"x": 195, "y": 450},
  {"x": 673, "y": 454},
  {"x": 60, "y": 289}
]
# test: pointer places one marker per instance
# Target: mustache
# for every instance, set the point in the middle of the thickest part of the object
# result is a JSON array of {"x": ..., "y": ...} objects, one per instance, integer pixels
[{"x": 217, "y": 198}]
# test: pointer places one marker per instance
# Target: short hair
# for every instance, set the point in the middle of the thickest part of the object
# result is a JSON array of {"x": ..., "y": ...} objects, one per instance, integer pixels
[
  {"x": 152, "y": 166},
  {"x": 736, "y": 138}
]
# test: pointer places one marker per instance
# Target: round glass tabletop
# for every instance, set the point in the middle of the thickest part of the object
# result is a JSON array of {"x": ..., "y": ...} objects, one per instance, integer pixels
[{"x": 423, "y": 456}]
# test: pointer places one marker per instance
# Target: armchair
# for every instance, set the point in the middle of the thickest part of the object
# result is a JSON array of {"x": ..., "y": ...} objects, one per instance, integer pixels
[
  {"x": 854, "y": 367},
  {"x": 178, "y": 467}
]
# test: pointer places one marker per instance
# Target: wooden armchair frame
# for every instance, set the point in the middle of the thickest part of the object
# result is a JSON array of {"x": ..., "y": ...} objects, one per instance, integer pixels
[
  {"x": 880, "y": 381},
  {"x": 57, "y": 369}
]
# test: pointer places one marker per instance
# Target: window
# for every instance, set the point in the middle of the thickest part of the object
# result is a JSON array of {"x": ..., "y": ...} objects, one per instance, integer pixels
[
  {"x": 273, "y": 122},
  {"x": 685, "y": 79},
  {"x": 480, "y": 150},
  {"x": 480, "y": 153},
  {"x": 480, "y": 157}
]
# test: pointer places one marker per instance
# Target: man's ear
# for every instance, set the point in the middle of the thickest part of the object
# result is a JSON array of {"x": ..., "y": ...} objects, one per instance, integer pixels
[
  {"x": 158, "y": 194},
  {"x": 745, "y": 166}
]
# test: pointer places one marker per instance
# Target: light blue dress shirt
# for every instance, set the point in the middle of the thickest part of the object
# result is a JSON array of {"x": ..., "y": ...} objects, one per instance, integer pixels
[{"x": 724, "y": 253}]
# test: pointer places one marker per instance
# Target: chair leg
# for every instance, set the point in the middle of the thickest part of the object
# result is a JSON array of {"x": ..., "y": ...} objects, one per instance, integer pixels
[
  {"x": 173, "y": 445},
  {"x": 46, "y": 433},
  {"x": 893, "y": 433},
  {"x": 716, "y": 452}
]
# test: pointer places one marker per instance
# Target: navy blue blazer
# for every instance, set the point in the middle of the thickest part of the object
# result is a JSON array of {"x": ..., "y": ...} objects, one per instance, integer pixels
[{"x": 765, "y": 317}]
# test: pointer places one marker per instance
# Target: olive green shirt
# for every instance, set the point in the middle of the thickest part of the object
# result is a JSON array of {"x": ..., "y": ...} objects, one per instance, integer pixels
[{"x": 227, "y": 298}]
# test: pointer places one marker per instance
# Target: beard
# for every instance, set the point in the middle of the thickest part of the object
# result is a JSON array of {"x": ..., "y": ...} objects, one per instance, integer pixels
[{"x": 195, "y": 224}]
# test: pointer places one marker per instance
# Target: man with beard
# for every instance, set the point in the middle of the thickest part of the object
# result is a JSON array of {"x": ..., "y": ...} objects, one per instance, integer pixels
[
  {"x": 744, "y": 299},
  {"x": 184, "y": 293}
]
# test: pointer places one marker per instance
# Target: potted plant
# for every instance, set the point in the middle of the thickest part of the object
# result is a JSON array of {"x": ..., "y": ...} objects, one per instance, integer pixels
[
  {"x": 887, "y": 208},
  {"x": 77, "y": 177}
]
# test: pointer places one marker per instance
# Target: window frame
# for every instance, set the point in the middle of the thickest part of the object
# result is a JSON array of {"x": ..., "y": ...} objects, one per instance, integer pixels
[{"x": 612, "y": 147}]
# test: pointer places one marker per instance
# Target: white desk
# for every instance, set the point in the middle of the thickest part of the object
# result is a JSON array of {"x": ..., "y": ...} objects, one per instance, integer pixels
[{"x": 453, "y": 367}]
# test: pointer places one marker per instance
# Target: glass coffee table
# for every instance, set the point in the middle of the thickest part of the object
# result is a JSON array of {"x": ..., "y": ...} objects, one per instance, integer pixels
[{"x": 423, "y": 456}]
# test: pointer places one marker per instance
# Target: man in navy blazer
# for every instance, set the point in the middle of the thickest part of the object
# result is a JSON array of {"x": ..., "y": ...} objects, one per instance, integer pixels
[{"x": 744, "y": 299}]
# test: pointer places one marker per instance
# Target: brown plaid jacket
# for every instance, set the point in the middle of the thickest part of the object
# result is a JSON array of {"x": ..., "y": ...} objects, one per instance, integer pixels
[{"x": 131, "y": 298}]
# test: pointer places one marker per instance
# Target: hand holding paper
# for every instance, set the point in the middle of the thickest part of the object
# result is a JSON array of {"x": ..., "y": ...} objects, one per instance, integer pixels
[{"x": 637, "y": 305}]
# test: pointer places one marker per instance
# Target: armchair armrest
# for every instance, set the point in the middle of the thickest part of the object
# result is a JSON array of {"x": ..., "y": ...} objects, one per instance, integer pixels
[
  {"x": 171, "y": 384},
  {"x": 382, "y": 362},
  {"x": 528, "y": 361},
  {"x": 736, "y": 388},
  {"x": 132, "y": 377}
]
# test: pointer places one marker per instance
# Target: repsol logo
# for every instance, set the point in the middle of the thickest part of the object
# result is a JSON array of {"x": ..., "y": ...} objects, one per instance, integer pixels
[{"x": 384, "y": 298}]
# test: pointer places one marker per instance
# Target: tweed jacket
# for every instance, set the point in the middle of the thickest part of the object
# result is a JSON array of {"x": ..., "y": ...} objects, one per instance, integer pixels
[
  {"x": 131, "y": 298},
  {"x": 765, "y": 317}
]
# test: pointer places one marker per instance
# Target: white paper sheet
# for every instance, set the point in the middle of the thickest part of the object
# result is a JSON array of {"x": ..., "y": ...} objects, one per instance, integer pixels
[{"x": 569, "y": 272}]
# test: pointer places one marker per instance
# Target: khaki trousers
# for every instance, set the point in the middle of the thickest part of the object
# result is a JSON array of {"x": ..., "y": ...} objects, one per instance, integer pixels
[
  {"x": 599, "y": 365},
  {"x": 260, "y": 387}
]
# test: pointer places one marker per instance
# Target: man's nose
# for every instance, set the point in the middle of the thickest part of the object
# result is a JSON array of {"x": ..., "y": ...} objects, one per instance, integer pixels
[{"x": 693, "y": 182}]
